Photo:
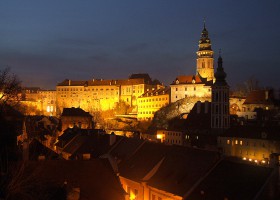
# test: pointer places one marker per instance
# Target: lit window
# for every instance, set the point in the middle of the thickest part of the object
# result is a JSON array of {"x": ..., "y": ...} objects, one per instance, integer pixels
[
  {"x": 236, "y": 141},
  {"x": 241, "y": 142},
  {"x": 228, "y": 141}
]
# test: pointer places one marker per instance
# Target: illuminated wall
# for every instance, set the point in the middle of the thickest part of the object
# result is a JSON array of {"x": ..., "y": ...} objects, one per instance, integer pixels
[
  {"x": 171, "y": 137},
  {"x": 149, "y": 103},
  {"x": 100, "y": 95},
  {"x": 142, "y": 191},
  {"x": 255, "y": 150},
  {"x": 181, "y": 91}
]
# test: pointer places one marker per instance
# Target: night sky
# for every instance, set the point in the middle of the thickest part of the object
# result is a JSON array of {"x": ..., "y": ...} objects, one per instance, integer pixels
[{"x": 45, "y": 42}]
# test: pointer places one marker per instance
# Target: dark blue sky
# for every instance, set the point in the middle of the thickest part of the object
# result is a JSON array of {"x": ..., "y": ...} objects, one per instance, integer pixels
[{"x": 45, "y": 42}]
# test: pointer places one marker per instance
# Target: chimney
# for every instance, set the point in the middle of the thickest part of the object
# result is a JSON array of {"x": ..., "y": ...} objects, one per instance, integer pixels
[
  {"x": 206, "y": 107},
  {"x": 112, "y": 138},
  {"x": 266, "y": 95},
  {"x": 198, "y": 107}
]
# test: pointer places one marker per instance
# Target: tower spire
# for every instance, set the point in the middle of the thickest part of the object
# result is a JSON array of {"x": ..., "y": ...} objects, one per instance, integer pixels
[{"x": 204, "y": 26}]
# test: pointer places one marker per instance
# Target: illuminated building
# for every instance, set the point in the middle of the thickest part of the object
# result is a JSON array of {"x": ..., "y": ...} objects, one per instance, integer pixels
[
  {"x": 38, "y": 101},
  {"x": 171, "y": 137},
  {"x": 220, "y": 99},
  {"x": 100, "y": 95},
  {"x": 199, "y": 85},
  {"x": 251, "y": 142},
  {"x": 151, "y": 101},
  {"x": 75, "y": 117},
  {"x": 260, "y": 99}
]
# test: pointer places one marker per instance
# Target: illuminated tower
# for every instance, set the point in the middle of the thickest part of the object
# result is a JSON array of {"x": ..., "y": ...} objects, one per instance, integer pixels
[
  {"x": 220, "y": 99},
  {"x": 204, "y": 61}
]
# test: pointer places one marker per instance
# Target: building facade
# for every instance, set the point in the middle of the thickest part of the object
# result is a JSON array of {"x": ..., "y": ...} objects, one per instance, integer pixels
[
  {"x": 251, "y": 143},
  {"x": 72, "y": 117},
  {"x": 100, "y": 95},
  {"x": 38, "y": 101},
  {"x": 171, "y": 137},
  {"x": 151, "y": 101}
]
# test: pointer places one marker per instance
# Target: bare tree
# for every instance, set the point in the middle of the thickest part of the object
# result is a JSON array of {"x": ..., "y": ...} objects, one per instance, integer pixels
[{"x": 10, "y": 87}]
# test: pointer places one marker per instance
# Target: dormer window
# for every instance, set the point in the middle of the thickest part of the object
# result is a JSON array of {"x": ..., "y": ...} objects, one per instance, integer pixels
[
  {"x": 177, "y": 81},
  {"x": 193, "y": 81}
]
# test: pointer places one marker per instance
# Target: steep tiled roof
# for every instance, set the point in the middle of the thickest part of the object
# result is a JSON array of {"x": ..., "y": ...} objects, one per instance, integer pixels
[
  {"x": 75, "y": 112},
  {"x": 260, "y": 97},
  {"x": 156, "y": 92},
  {"x": 182, "y": 168},
  {"x": 95, "y": 178},
  {"x": 254, "y": 132},
  {"x": 179, "y": 167},
  {"x": 37, "y": 149},
  {"x": 188, "y": 79},
  {"x": 135, "y": 80},
  {"x": 125, "y": 148},
  {"x": 89, "y": 141},
  {"x": 146, "y": 77},
  {"x": 232, "y": 180}
]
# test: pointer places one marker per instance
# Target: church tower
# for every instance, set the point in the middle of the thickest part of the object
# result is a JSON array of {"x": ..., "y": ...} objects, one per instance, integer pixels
[
  {"x": 204, "y": 61},
  {"x": 220, "y": 99}
]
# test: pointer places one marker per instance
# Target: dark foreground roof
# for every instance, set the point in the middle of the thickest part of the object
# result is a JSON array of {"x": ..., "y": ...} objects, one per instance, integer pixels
[
  {"x": 231, "y": 180},
  {"x": 178, "y": 167},
  {"x": 95, "y": 178},
  {"x": 75, "y": 112},
  {"x": 37, "y": 149}
]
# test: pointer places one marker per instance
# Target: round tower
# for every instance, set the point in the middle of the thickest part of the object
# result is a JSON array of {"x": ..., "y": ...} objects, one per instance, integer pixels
[{"x": 204, "y": 61}]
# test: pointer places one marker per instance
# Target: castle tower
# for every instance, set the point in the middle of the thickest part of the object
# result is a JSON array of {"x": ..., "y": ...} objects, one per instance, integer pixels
[
  {"x": 220, "y": 99},
  {"x": 204, "y": 61}
]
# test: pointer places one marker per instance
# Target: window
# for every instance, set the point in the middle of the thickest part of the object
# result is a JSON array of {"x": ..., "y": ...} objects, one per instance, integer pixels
[
  {"x": 241, "y": 142},
  {"x": 228, "y": 141},
  {"x": 153, "y": 197},
  {"x": 236, "y": 141}
]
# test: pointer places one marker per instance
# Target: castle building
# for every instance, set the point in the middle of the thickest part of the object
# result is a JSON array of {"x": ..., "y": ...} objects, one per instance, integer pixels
[
  {"x": 39, "y": 101},
  {"x": 220, "y": 99},
  {"x": 151, "y": 101},
  {"x": 100, "y": 95},
  {"x": 199, "y": 85}
]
